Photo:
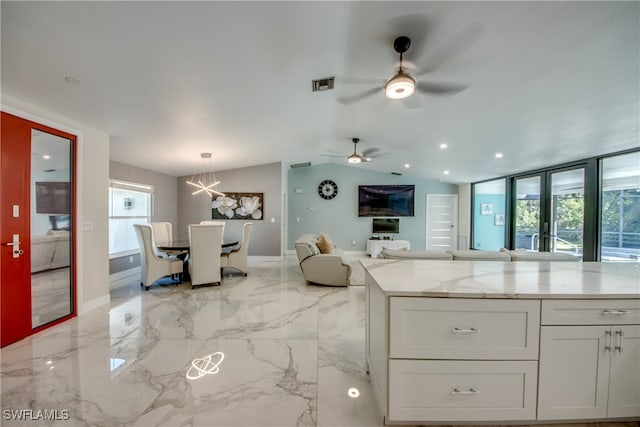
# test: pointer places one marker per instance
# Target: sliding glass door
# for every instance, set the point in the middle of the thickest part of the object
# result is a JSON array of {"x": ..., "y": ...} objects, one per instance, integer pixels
[{"x": 548, "y": 211}]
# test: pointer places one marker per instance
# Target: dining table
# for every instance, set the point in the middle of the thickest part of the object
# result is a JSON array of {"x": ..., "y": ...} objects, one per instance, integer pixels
[{"x": 184, "y": 245}]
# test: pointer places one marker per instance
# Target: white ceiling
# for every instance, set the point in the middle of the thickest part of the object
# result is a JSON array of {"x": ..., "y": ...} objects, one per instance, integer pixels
[{"x": 549, "y": 82}]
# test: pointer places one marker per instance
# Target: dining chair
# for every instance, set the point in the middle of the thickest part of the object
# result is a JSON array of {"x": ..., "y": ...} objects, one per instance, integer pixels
[
  {"x": 205, "y": 246},
  {"x": 163, "y": 232},
  {"x": 237, "y": 258},
  {"x": 153, "y": 266}
]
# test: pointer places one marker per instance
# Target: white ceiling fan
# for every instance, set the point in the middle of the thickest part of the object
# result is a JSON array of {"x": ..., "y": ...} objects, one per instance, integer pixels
[{"x": 355, "y": 157}]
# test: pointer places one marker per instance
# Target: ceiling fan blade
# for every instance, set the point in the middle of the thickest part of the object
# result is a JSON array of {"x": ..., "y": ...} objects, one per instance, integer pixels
[
  {"x": 370, "y": 152},
  {"x": 355, "y": 98},
  {"x": 412, "y": 102},
  {"x": 440, "y": 88},
  {"x": 332, "y": 155},
  {"x": 453, "y": 47}
]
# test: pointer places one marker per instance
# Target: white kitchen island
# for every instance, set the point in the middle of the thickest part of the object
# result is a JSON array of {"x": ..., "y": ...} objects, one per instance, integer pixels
[{"x": 498, "y": 342}]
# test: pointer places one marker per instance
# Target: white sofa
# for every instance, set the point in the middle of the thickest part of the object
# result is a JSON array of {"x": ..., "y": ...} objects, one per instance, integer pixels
[
  {"x": 50, "y": 251},
  {"x": 323, "y": 269},
  {"x": 475, "y": 255}
]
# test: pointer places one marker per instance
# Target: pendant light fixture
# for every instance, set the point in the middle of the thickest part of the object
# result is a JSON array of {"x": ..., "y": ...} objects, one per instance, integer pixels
[{"x": 205, "y": 180}]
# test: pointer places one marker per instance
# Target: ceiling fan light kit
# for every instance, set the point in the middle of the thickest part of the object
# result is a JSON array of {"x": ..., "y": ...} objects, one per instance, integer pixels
[{"x": 400, "y": 86}]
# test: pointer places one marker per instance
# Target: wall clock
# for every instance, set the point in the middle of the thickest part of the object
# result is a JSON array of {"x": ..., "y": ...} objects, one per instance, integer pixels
[{"x": 328, "y": 189}]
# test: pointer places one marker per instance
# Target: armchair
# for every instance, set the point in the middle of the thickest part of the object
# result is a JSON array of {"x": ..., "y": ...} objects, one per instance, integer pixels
[
  {"x": 237, "y": 258},
  {"x": 153, "y": 267},
  {"x": 323, "y": 269}
]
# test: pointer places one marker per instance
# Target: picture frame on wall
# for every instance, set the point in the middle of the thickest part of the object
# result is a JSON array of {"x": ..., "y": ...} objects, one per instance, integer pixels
[
  {"x": 238, "y": 206},
  {"x": 499, "y": 219},
  {"x": 486, "y": 209}
]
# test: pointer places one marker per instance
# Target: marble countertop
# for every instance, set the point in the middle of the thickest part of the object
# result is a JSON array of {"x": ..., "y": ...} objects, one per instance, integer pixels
[{"x": 493, "y": 279}]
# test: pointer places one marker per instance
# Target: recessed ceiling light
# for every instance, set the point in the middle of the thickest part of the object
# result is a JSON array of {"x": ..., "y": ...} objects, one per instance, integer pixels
[
  {"x": 499, "y": 155},
  {"x": 73, "y": 80},
  {"x": 446, "y": 172},
  {"x": 407, "y": 165},
  {"x": 443, "y": 146},
  {"x": 46, "y": 156}
]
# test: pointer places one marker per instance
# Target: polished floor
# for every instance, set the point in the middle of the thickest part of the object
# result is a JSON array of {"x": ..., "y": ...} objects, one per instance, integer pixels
[{"x": 262, "y": 350}]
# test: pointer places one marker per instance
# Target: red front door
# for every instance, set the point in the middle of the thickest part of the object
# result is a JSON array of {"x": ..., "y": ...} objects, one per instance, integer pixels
[
  {"x": 15, "y": 292},
  {"x": 15, "y": 229}
]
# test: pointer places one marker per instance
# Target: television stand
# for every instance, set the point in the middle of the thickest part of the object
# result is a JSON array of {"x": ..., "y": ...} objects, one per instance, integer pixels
[{"x": 374, "y": 246}]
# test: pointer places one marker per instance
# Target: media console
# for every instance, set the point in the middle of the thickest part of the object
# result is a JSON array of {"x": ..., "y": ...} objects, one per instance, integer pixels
[{"x": 497, "y": 342}]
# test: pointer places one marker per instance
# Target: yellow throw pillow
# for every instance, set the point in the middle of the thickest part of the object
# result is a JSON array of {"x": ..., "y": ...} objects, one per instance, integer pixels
[{"x": 324, "y": 244}]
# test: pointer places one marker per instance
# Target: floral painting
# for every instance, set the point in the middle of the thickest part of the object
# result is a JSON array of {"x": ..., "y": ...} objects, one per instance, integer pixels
[{"x": 237, "y": 206}]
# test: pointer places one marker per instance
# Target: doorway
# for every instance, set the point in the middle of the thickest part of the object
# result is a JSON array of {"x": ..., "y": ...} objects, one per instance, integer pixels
[
  {"x": 37, "y": 227},
  {"x": 549, "y": 211}
]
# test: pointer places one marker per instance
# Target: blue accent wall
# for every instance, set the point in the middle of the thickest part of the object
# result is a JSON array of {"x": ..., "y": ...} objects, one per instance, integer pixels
[
  {"x": 486, "y": 234},
  {"x": 338, "y": 217}
]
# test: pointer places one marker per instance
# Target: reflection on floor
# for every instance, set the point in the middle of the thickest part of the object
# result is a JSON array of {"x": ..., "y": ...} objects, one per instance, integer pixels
[
  {"x": 293, "y": 356},
  {"x": 50, "y": 296}
]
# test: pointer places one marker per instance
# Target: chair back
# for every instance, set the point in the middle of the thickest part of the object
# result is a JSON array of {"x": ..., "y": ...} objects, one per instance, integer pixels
[
  {"x": 162, "y": 231},
  {"x": 144, "y": 233},
  {"x": 205, "y": 242},
  {"x": 246, "y": 236}
]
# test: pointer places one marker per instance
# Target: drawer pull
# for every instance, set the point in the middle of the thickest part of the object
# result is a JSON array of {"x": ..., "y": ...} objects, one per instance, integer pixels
[
  {"x": 615, "y": 312},
  {"x": 457, "y": 391},
  {"x": 466, "y": 331}
]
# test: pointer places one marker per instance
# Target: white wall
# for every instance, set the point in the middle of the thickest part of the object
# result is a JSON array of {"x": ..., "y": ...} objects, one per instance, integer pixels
[{"x": 92, "y": 225}]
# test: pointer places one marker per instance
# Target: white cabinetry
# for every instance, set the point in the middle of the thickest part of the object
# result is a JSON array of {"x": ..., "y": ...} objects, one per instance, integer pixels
[
  {"x": 590, "y": 369},
  {"x": 454, "y": 359}
]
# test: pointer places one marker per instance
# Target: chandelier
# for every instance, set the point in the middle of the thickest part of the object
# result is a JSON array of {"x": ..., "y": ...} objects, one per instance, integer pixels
[{"x": 205, "y": 181}]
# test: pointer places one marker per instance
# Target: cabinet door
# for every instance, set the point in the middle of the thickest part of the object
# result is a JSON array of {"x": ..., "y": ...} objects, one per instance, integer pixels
[
  {"x": 574, "y": 372},
  {"x": 624, "y": 383}
]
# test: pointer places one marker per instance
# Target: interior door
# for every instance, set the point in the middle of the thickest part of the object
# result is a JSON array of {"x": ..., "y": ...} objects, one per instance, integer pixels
[
  {"x": 36, "y": 227},
  {"x": 442, "y": 222}
]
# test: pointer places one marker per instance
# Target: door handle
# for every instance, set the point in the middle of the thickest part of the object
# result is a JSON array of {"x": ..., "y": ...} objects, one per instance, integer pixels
[{"x": 16, "y": 246}]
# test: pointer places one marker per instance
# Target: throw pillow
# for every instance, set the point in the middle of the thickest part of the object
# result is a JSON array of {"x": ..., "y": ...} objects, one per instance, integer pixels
[{"x": 325, "y": 244}]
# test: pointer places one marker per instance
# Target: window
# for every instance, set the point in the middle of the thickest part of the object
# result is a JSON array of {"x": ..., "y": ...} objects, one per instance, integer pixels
[
  {"x": 489, "y": 209},
  {"x": 129, "y": 204},
  {"x": 620, "y": 213}
]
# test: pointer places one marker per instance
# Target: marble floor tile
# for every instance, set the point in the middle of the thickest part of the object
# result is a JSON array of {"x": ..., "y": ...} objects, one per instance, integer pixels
[{"x": 293, "y": 356}]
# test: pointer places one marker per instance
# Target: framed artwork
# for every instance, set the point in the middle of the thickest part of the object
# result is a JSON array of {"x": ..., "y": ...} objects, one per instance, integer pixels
[
  {"x": 238, "y": 206},
  {"x": 499, "y": 219},
  {"x": 486, "y": 209}
]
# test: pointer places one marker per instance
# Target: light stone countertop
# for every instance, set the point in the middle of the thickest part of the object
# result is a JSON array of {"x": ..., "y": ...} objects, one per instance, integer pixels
[{"x": 496, "y": 279}]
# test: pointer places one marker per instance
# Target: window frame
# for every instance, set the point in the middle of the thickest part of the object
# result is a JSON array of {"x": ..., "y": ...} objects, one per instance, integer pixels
[{"x": 135, "y": 187}]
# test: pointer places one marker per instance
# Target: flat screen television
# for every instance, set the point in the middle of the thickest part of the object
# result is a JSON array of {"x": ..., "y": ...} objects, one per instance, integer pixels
[
  {"x": 386, "y": 225},
  {"x": 386, "y": 200}
]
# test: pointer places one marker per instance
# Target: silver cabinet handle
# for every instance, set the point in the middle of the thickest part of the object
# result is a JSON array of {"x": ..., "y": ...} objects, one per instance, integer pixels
[
  {"x": 615, "y": 312},
  {"x": 466, "y": 331},
  {"x": 620, "y": 334},
  {"x": 457, "y": 391},
  {"x": 608, "y": 336}
]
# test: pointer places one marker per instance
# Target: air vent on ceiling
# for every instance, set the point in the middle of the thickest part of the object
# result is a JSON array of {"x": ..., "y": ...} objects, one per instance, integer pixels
[
  {"x": 396, "y": 173},
  {"x": 322, "y": 84},
  {"x": 300, "y": 165}
]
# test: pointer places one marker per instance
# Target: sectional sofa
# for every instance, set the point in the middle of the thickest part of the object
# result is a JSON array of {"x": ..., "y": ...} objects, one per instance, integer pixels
[{"x": 474, "y": 255}]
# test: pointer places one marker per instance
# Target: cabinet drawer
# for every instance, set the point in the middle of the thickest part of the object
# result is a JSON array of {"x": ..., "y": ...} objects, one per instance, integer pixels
[
  {"x": 591, "y": 312},
  {"x": 451, "y": 328},
  {"x": 438, "y": 390}
]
